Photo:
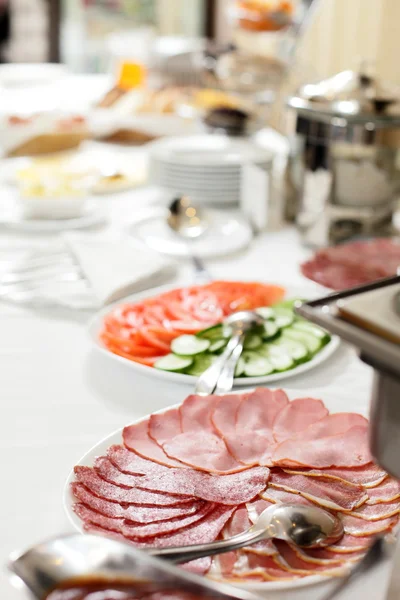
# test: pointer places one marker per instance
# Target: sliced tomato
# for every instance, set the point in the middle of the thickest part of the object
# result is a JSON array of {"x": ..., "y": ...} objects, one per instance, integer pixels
[{"x": 152, "y": 340}]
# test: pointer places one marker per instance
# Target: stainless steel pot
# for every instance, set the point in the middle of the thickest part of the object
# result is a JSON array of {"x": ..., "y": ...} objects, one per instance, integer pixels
[{"x": 347, "y": 178}]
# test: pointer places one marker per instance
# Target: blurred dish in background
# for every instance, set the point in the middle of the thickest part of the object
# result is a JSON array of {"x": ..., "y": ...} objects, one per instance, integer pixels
[
  {"x": 25, "y": 74},
  {"x": 52, "y": 198},
  {"x": 263, "y": 15}
]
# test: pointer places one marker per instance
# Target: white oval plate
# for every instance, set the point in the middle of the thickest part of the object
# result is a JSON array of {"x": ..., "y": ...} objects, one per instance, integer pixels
[
  {"x": 96, "y": 324},
  {"x": 333, "y": 403}
]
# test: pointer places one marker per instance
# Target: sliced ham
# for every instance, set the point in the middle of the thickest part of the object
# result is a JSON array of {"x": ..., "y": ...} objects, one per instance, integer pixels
[
  {"x": 368, "y": 476},
  {"x": 223, "y": 416},
  {"x": 233, "y": 489},
  {"x": 347, "y": 449},
  {"x": 137, "y": 531},
  {"x": 290, "y": 559},
  {"x": 105, "y": 468},
  {"x": 350, "y": 544},
  {"x": 131, "y": 463},
  {"x": 386, "y": 492},
  {"x": 201, "y": 566},
  {"x": 252, "y": 441},
  {"x": 90, "y": 479},
  {"x": 238, "y": 523},
  {"x": 334, "y": 495},
  {"x": 256, "y": 507},
  {"x": 136, "y": 438},
  {"x": 164, "y": 426},
  {"x": 133, "y": 512},
  {"x": 195, "y": 413},
  {"x": 376, "y": 512},
  {"x": 279, "y": 496},
  {"x": 321, "y": 556},
  {"x": 204, "y": 451},
  {"x": 361, "y": 528},
  {"x": 269, "y": 568},
  {"x": 296, "y": 416}
]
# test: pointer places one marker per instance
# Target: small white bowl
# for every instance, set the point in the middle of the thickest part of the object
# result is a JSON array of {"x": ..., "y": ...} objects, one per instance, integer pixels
[{"x": 64, "y": 207}]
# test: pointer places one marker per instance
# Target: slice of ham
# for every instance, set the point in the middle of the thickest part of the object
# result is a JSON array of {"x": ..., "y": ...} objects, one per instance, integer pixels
[
  {"x": 89, "y": 478},
  {"x": 296, "y": 564},
  {"x": 252, "y": 441},
  {"x": 232, "y": 489},
  {"x": 204, "y": 451},
  {"x": 368, "y": 476},
  {"x": 133, "y": 512},
  {"x": 195, "y": 413},
  {"x": 137, "y": 531},
  {"x": 349, "y": 544},
  {"x": 201, "y": 566},
  {"x": 337, "y": 495},
  {"x": 254, "y": 509},
  {"x": 164, "y": 426},
  {"x": 131, "y": 463},
  {"x": 269, "y": 568},
  {"x": 386, "y": 492},
  {"x": 223, "y": 416},
  {"x": 322, "y": 556},
  {"x": 105, "y": 468},
  {"x": 376, "y": 512},
  {"x": 277, "y": 496},
  {"x": 347, "y": 449},
  {"x": 361, "y": 528},
  {"x": 296, "y": 416},
  {"x": 136, "y": 438}
]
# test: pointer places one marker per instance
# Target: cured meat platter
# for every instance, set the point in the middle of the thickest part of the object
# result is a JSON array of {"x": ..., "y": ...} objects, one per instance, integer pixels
[{"x": 208, "y": 467}]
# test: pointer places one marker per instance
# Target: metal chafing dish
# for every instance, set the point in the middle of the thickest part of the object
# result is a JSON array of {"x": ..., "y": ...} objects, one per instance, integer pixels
[
  {"x": 348, "y": 132},
  {"x": 378, "y": 339}
]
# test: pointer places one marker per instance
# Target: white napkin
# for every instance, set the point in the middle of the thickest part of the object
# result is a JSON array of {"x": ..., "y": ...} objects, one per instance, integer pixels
[{"x": 116, "y": 266}]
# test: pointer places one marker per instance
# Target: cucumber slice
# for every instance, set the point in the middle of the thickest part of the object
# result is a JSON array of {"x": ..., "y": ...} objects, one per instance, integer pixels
[
  {"x": 252, "y": 341},
  {"x": 280, "y": 358},
  {"x": 312, "y": 343},
  {"x": 189, "y": 345},
  {"x": 283, "y": 317},
  {"x": 240, "y": 366},
  {"x": 217, "y": 345},
  {"x": 211, "y": 332},
  {"x": 290, "y": 303},
  {"x": 271, "y": 330},
  {"x": 171, "y": 362},
  {"x": 295, "y": 349},
  {"x": 200, "y": 364},
  {"x": 255, "y": 365},
  {"x": 266, "y": 312},
  {"x": 312, "y": 329}
]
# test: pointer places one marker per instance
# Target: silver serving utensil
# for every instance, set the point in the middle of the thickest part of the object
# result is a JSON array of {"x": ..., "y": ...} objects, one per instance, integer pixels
[
  {"x": 219, "y": 377},
  {"x": 71, "y": 557},
  {"x": 305, "y": 526},
  {"x": 187, "y": 221}
]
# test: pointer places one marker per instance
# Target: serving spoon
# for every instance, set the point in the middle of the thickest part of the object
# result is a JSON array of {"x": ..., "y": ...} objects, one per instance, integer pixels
[
  {"x": 187, "y": 221},
  {"x": 218, "y": 378},
  {"x": 54, "y": 562}
]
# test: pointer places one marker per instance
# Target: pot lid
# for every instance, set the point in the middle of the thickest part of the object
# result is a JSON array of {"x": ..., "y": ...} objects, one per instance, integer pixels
[{"x": 352, "y": 95}]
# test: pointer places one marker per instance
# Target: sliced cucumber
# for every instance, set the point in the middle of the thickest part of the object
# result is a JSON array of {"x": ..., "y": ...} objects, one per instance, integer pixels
[
  {"x": 312, "y": 343},
  {"x": 189, "y": 345},
  {"x": 171, "y": 362},
  {"x": 283, "y": 316},
  {"x": 256, "y": 365},
  {"x": 290, "y": 303},
  {"x": 201, "y": 362},
  {"x": 266, "y": 312},
  {"x": 240, "y": 366},
  {"x": 252, "y": 341},
  {"x": 312, "y": 329},
  {"x": 211, "y": 332},
  {"x": 295, "y": 349},
  {"x": 217, "y": 345},
  {"x": 280, "y": 358},
  {"x": 271, "y": 330}
]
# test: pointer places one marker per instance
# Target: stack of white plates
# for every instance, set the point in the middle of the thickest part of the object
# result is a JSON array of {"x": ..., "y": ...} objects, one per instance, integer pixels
[{"x": 208, "y": 168}]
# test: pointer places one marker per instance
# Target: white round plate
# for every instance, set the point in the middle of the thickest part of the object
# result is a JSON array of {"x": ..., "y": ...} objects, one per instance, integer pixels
[
  {"x": 333, "y": 403},
  {"x": 91, "y": 216},
  {"x": 225, "y": 235},
  {"x": 150, "y": 373}
]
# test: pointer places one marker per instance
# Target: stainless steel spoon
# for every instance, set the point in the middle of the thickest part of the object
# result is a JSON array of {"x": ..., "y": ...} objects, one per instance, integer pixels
[
  {"x": 188, "y": 222},
  {"x": 305, "y": 526},
  {"x": 218, "y": 378}
]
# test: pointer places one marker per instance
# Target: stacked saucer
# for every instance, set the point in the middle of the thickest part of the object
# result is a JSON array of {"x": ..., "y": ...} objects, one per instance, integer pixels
[{"x": 208, "y": 168}]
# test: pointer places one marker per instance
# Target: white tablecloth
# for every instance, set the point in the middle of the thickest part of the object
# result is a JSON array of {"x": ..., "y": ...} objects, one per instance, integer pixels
[{"x": 59, "y": 397}]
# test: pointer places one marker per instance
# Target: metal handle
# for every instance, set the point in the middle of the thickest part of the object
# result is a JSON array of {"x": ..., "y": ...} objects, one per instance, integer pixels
[
  {"x": 207, "y": 382},
  {"x": 182, "y": 554},
  {"x": 225, "y": 380}
]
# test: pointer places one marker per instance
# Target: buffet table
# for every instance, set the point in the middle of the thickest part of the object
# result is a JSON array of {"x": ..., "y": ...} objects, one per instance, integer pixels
[{"x": 60, "y": 396}]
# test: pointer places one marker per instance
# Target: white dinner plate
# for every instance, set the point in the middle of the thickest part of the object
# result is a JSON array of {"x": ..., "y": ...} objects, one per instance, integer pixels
[
  {"x": 225, "y": 235},
  {"x": 91, "y": 217},
  {"x": 332, "y": 402},
  {"x": 152, "y": 375}
]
